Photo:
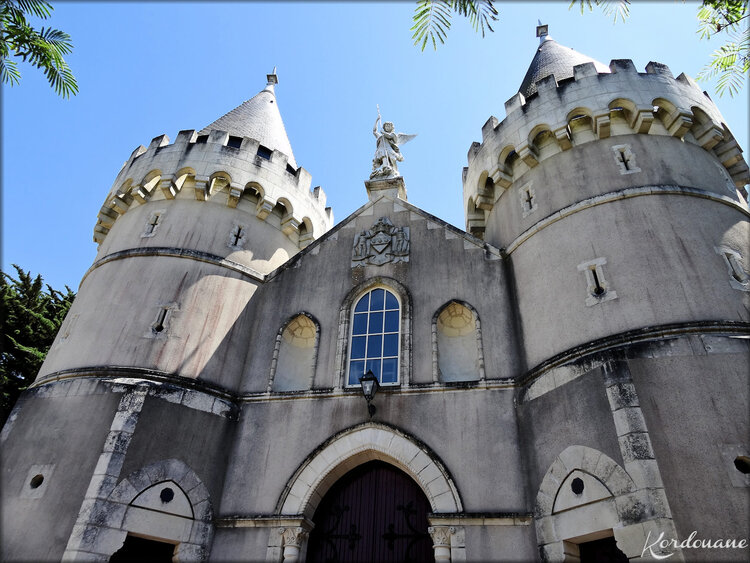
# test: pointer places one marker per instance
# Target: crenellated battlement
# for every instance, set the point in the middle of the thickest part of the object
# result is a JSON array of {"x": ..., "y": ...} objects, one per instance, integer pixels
[
  {"x": 592, "y": 106},
  {"x": 218, "y": 168}
]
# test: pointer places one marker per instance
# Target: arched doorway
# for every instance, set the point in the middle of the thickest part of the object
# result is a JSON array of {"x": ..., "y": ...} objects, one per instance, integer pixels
[{"x": 375, "y": 512}]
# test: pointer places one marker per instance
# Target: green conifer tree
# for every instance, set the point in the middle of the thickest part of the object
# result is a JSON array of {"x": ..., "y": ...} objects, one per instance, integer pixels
[{"x": 30, "y": 317}]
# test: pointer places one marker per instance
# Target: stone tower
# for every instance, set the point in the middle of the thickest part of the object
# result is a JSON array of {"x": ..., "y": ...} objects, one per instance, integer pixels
[
  {"x": 207, "y": 216},
  {"x": 186, "y": 234},
  {"x": 614, "y": 196}
]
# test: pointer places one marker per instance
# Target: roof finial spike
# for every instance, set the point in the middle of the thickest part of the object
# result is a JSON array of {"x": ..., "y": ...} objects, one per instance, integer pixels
[
  {"x": 541, "y": 31},
  {"x": 272, "y": 78}
]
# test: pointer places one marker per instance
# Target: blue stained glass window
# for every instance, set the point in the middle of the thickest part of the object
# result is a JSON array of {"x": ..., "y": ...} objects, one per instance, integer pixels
[
  {"x": 376, "y": 301},
  {"x": 375, "y": 346},
  {"x": 390, "y": 345},
  {"x": 391, "y": 321},
  {"x": 376, "y": 323},
  {"x": 363, "y": 304},
  {"x": 356, "y": 370},
  {"x": 358, "y": 347},
  {"x": 390, "y": 370},
  {"x": 360, "y": 324},
  {"x": 374, "y": 367},
  {"x": 375, "y": 337}
]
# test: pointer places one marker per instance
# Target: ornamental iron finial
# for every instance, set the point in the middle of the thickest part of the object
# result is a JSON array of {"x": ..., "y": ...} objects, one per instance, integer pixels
[
  {"x": 542, "y": 31},
  {"x": 272, "y": 78}
]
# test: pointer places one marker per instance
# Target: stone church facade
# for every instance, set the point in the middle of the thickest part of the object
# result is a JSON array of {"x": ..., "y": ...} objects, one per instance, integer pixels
[{"x": 567, "y": 377}]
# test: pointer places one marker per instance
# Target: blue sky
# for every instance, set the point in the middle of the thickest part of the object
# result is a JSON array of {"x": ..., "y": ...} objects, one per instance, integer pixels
[{"x": 145, "y": 69}]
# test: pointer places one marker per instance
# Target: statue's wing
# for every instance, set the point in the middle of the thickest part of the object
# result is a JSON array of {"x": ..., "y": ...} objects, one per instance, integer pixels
[{"x": 403, "y": 138}]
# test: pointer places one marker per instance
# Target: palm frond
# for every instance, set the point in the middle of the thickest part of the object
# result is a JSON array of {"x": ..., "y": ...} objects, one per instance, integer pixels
[
  {"x": 61, "y": 79},
  {"x": 56, "y": 39},
  {"x": 39, "y": 8},
  {"x": 480, "y": 13},
  {"x": 9, "y": 73},
  {"x": 618, "y": 9},
  {"x": 432, "y": 19},
  {"x": 43, "y": 49},
  {"x": 730, "y": 62}
]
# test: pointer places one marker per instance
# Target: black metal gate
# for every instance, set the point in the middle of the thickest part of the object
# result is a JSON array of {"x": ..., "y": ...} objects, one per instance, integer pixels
[{"x": 373, "y": 513}]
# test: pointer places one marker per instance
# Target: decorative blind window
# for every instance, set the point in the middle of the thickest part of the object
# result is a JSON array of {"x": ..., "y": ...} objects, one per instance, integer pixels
[{"x": 375, "y": 337}]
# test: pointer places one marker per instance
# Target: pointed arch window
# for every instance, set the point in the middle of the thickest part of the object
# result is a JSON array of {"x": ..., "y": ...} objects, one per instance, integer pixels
[{"x": 375, "y": 337}]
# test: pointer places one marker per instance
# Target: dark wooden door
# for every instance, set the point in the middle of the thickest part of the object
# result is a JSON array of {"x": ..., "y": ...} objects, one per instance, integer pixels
[{"x": 373, "y": 513}]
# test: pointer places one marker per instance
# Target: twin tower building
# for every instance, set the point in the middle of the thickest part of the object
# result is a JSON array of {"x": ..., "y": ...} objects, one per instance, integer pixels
[{"x": 566, "y": 379}]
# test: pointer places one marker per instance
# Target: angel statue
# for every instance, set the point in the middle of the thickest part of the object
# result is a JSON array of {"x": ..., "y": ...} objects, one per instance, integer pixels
[{"x": 387, "y": 153}]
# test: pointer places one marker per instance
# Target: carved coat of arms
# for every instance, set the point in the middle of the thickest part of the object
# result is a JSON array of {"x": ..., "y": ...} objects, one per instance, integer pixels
[{"x": 381, "y": 244}]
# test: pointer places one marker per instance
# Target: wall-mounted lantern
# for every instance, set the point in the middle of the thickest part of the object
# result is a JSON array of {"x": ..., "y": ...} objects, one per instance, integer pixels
[{"x": 370, "y": 386}]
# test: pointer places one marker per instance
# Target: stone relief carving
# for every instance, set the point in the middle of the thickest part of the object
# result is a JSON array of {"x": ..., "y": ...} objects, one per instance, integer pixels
[
  {"x": 381, "y": 244},
  {"x": 293, "y": 536},
  {"x": 387, "y": 152},
  {"x": 441, "y": 535}
]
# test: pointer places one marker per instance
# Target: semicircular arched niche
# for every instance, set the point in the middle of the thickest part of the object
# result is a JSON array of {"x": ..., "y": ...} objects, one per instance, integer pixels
[
  {"x": 579, "y": 488},
  {"x": 166, "y": 497}
]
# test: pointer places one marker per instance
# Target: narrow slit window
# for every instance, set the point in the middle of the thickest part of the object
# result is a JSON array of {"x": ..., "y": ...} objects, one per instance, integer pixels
[
  {"x": 598, "y": 289},
  {"x": 237, "y": 236},
  {"x": 736, "y": 271},
  {"x": 738, "y": 277},
  {"x": 625, "y": 159},
  {"x": 528, "y": 200},
  {"x": 154, "y": 221},
  {"x": 152, "y": 225},
  {"x": 161, "y": 320},
  {"x": 160, "y": 328}
]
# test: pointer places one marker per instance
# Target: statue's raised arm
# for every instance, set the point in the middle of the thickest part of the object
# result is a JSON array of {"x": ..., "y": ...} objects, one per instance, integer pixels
[{"x": 387, "y": 152}]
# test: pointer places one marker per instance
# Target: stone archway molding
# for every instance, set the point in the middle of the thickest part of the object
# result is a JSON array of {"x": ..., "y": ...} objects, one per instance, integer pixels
[
  {"x": 628, "y": 514},
  {"x": 166, "y": 470},
  {"x": 357, "y": 445},
  {"x": 592, "y": 461},
  {"x": 109, "y": 520}
]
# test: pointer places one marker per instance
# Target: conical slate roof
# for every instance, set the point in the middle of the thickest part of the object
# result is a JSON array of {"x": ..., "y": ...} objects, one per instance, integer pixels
[
  {"x": 258, "y": 118},
  {"x": 553, "y": 58}
]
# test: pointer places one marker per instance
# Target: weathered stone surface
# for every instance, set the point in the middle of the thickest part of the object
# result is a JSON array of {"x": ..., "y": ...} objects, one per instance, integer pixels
[{"x": 171, "y": 368}]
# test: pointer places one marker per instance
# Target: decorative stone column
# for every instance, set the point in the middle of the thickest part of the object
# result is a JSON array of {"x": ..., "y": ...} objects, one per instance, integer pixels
[
  {"x": 648, "y": 505},
  {"x": 293, "y": 538},
  {"x": 441, "y": 541}
]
